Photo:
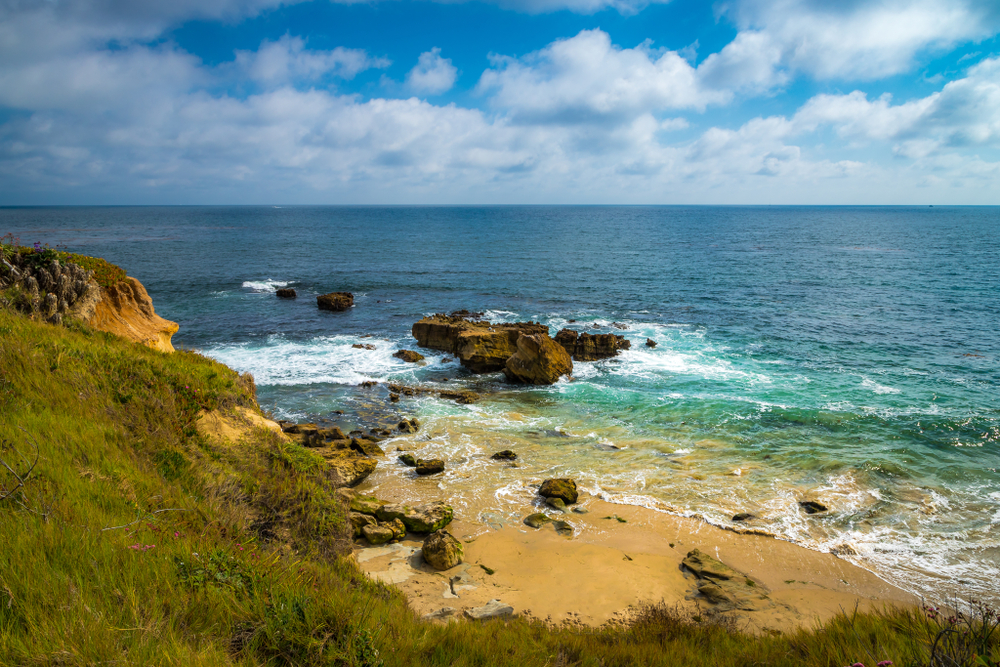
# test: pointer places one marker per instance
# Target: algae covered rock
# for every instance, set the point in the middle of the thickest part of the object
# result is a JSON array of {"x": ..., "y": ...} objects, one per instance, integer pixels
[
  {"x": 442, "y": 551},
  {"x": 377, "y": 534},
  {"x": 359, "y": 521},
  {"x": 505, "y": 455},
  {"x": 563, "y": 488},
  {"x": 367, "y": 447},
  {"x": 408, "y": 460},
  {"x": 366, "y": 504},
  {"x": 704, "y": 566},
  {"x": 536, "y": 520},
  {"x": 425, "y": 518},
  {"x": 429, "y": 466},
  {"x": 538, "y": 360}
]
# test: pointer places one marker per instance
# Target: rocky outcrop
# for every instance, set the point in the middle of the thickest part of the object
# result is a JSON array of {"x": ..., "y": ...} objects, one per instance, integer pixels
[
  {"x": 442, "y": 551},
  {"x": 463, "y": 396},
  {"x": 722, "y": 586},
  {"x": 347, "y": 467},
  {"x": 591, "y": 347},
  {"x": 126, "y": 310},
  {"x": 480, "y": 346},
  {"x": 650, "y": 342},
  {"x": 538, "y": 360},
  {"x": 336, "y": 301},
  {"x": 563, "y": 488},
  {"x": 285, "y": 293}
]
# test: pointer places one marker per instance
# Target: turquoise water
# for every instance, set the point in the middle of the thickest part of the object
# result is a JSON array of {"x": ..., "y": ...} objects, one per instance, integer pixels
[{"x": 842, "y": 354}]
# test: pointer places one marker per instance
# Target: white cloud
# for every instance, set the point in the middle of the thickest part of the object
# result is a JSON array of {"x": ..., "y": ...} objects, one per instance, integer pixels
[
  {"x": 965, "y": 113},
  {"x": 432, "y": 74},
  {"x": 863, "y": 39},
  {"x": 587, "y": 79},
  {"x": 580, "y": 120},
  {"x": 287, "y": 60}
]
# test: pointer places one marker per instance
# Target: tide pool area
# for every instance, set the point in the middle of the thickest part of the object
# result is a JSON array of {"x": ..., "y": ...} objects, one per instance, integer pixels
[{"x": 837, "y": 354}]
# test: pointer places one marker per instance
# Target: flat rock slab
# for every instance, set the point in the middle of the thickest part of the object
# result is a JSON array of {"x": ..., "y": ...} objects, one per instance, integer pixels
[{"x": 492, "y": 609}]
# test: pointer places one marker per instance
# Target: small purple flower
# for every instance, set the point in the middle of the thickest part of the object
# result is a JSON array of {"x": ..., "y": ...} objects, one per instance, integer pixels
[
  {"x": 885, "y": 663},
  {"x": 38, "y": 246}
]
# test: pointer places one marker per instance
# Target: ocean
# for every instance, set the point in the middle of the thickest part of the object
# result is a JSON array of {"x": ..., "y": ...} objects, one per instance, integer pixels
[{"x": 847, "y": 355}]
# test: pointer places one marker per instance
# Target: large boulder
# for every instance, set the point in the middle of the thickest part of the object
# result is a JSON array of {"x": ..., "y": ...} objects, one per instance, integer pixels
[
  {"x": 563, "y": 488},
  {"x": 378, "y": 534},
  {"x": 425, "y": 518},
  {"x": 480, "y": 346},
  {"x": 336, "y": 301},
  {"x": 591, "y": 347},
  {"x": 538, "y": 360},
  {"x": 442, "y": 551}
]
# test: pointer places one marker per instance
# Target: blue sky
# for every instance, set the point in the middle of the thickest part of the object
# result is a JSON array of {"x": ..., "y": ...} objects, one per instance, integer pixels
[{"x": 508, "y": 101}]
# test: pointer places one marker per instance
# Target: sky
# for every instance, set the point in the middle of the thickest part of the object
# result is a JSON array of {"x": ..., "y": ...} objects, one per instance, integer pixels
[{"x": 499, "y": 102}]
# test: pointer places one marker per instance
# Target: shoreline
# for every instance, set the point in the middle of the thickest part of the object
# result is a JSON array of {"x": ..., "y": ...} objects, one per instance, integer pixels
[{"x": 609, "y": 567}]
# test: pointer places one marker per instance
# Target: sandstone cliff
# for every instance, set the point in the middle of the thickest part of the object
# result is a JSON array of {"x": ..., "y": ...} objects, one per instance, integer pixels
[{"x": 126, "y": 310}]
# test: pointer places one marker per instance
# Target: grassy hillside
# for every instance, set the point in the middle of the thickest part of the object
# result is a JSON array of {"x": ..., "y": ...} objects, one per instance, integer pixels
[{"x": 133, "y": 540}]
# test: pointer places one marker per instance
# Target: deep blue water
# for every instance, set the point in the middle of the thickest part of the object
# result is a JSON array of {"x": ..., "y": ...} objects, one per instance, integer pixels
[{"x": 855, "y": 348}]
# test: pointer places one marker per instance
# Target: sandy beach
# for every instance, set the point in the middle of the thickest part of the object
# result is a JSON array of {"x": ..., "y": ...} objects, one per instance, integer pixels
[{"x": 608, "y": 566}]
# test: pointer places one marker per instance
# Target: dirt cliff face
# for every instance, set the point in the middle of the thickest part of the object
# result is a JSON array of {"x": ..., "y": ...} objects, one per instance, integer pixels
[{"x": 126, "y": 310}]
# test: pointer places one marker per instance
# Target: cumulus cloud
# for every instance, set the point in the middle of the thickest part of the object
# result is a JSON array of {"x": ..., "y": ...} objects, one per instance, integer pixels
[
  {"x": 432, "y": 75},
  {"x": 586, "y": 79},
  {"x": 862, "y": 39},
  {"x": 288, "y": 60},
  {"x": 965, "y": 113},
  {"x": 579, "y": 120}
]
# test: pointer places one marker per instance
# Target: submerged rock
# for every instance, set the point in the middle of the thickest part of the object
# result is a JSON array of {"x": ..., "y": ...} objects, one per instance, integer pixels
[
  {"x": 812, "y": 507},
  {"x": 505, "y": 455},
  {"x": 538, "y": 360},
  {"x": 408, "y": 426},
  {"x": 336, "y": 301},
  {"x": 556, "y": 504},
  {"x": 563, "y": 488},
  {"x": 363, "y": 346},
  {"x": 442, "y": 551},
  {"x": 744, "y": 516}
]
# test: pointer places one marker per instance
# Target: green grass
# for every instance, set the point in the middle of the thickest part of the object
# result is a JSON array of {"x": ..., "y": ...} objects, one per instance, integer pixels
[{"x": 135, "y": 541}]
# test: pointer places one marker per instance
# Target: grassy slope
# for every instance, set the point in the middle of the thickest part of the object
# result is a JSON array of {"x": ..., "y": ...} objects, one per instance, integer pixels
[{"x": 113, "y": 423}]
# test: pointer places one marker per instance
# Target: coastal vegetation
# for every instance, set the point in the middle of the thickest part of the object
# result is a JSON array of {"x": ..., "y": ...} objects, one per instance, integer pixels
[{"x": 129, "y": 536}]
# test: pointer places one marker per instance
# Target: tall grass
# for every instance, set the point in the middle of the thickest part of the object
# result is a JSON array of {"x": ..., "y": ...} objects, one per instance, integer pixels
[{"x": 136, "y": 541}]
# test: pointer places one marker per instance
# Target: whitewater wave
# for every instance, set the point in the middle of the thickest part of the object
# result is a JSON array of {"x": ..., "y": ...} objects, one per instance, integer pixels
[{"x": 264, "y": 285}]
